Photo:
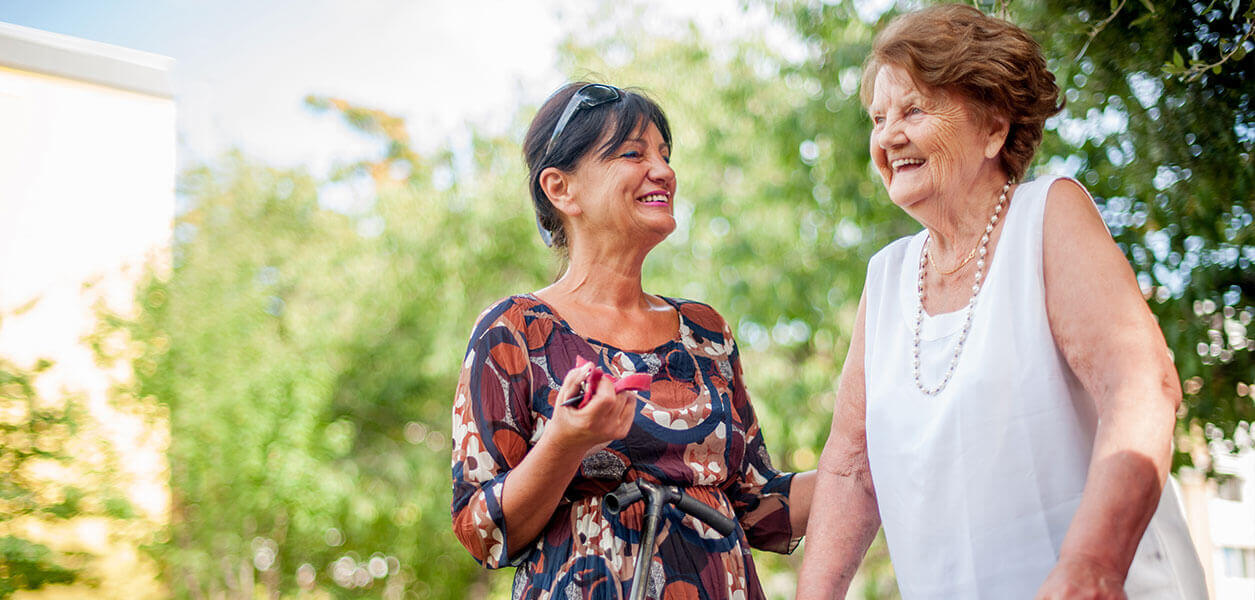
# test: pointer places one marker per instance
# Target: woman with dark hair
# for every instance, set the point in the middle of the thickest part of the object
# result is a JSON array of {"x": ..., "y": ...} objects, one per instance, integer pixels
[
  {"x": 530, "y": 469},
  {"x": 1007, "y": 405}
]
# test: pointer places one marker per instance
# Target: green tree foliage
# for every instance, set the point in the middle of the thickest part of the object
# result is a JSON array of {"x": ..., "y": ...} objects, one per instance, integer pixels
[
  {"x": 42, "y": 486},
  {"x": 31, "y": 433}
]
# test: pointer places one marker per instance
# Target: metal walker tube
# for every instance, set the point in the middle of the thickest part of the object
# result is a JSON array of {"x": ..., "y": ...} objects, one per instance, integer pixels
[{"x": 656, "y": 497}]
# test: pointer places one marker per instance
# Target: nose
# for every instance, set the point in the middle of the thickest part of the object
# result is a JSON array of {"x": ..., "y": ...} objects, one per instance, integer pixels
[
  {"x": 890, "y": 135},
  {"x": 660, "y": 172}
]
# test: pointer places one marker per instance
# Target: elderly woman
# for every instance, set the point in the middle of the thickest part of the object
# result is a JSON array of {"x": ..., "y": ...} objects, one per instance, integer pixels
[
  {"x": 1007, "y": 404},
  {"x": 529, "y": 469}
]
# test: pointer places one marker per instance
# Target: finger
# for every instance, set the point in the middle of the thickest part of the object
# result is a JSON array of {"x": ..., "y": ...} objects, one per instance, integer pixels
[
  {"x": 603, "y": 393},
  {"x": 627, "y": 414},
  {"x": 572, "y": 381},
  {"x": 627, "y": 406},
  {"x": 627, "y": 425}
]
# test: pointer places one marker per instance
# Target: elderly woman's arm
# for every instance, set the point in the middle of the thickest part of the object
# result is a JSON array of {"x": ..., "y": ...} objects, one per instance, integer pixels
[
  {"x": 1110, "y": 339},
  {"x": 843, "y": 524}
]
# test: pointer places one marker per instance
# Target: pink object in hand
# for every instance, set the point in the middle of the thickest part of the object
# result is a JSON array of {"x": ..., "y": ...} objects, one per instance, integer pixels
[{"x": 637, "y": 382}]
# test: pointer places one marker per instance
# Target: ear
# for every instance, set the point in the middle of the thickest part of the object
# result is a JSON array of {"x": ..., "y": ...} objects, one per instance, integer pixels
[
  {"x": 559, "y": 187},
  {"x": 996, "y": 135}
]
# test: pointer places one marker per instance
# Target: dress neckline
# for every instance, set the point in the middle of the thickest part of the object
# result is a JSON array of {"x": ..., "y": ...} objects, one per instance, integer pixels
[{"x": 562, "y": 322}]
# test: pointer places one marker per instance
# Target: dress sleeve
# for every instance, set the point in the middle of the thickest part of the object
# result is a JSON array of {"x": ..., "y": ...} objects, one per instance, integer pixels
[
  {"x": 758, "y": 492},
  {"x": 492, "y": 424}
]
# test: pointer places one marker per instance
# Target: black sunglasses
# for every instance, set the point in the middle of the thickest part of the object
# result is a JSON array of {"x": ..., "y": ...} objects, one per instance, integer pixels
[{"x": 589, "y": 96}]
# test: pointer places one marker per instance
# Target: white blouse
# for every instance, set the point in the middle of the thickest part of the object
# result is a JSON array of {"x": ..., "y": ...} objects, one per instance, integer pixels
[{"x": 978, "y": 484}]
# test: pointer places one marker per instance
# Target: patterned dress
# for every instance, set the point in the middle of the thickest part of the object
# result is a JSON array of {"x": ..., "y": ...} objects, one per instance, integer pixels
[{"x": 694, "y": 428}]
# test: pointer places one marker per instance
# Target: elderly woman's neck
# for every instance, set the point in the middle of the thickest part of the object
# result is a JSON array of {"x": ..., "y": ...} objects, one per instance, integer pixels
[{"x": 959, "y": 221}]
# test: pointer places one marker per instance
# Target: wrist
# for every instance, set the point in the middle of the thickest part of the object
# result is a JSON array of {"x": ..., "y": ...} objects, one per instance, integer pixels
[
  {"x": 562, "y": 449},
  {"x": 1094, "y": 561}
]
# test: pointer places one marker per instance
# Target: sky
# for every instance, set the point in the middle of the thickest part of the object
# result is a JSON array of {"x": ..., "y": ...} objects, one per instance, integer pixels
[{"x": 242, "y": 67}]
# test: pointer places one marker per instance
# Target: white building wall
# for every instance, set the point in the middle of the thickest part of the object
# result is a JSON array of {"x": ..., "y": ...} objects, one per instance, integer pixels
[
  {"x": 87, "y": 176},
  {"x": 1233, "y": 526}
]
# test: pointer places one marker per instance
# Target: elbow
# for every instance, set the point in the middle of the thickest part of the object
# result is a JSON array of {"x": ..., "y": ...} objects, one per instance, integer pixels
[
  {"x": 470, "y": 537},
  {"x": 1170, "y": 389},
  {"x": 842, "y": 462},
  {"x": 481, "y": 536}
]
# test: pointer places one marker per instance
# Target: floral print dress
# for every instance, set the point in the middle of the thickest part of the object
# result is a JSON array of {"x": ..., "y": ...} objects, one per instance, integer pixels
[{"x": 694, "y": 428}]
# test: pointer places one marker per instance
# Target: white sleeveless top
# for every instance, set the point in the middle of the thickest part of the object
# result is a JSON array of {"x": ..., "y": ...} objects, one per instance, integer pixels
[{"x": 977, "y": 485}]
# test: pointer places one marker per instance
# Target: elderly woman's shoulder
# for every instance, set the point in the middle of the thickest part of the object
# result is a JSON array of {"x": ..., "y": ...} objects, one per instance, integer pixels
[
  {"x": 1060, "y": 198},
  {"x": 1064, "y": 187}
]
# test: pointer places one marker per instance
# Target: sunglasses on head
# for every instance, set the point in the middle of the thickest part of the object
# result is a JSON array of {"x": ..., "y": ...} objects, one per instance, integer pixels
[{"x": 589, "y": 96}]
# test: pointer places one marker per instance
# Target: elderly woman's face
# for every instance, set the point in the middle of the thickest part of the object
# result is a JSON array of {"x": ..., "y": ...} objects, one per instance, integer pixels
[{"x": 925, "y": 143}]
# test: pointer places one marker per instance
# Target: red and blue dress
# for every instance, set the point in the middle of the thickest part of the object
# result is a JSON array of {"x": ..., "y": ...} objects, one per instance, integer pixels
[{"x": 694, "y": 428}]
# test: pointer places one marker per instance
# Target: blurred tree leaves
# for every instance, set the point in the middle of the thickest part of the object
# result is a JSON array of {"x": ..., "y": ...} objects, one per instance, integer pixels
[
  {"x": 45, "y": 484},
  {"x": 31, "y": 433}
]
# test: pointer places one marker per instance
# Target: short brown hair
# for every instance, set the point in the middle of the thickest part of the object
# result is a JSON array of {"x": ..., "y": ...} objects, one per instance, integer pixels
[{"x": 994, "y": 65}]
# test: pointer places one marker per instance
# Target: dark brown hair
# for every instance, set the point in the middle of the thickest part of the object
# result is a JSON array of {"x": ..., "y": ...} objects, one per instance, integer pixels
[
  {"x": 622, "y": 118},
  {"x": 994, "y": 65}
]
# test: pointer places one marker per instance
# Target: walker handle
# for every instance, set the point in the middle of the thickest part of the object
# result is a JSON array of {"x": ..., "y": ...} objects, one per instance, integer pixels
[
  {"x": 703, "y": 512},
  {"x": 621, "y": 497},
  {"x": 629, "y": 492}
]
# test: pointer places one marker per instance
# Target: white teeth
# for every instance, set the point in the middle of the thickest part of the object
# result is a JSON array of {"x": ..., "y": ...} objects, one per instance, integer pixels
[
  {"x": 654, "y": 198},
  {"x": 902, "y": 162}
]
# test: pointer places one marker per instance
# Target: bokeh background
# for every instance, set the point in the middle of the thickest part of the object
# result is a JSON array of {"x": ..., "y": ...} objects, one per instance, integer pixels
[{"x": 350, "y": 194}]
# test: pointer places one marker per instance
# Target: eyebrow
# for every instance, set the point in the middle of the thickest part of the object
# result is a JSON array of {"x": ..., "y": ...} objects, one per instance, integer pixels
[
  {"x": 910, "y": 98},
  {"x": 641, "y": 140}
]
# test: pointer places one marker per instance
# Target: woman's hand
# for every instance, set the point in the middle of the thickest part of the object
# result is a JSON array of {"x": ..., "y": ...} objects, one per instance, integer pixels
[
  {"x": 1082, "y": 580},
  {"x": 534, "y": 487},
  {"x": 606, "y": 417}
]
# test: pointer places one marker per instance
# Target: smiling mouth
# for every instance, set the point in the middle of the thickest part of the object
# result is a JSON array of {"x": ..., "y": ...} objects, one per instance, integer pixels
[
  {"x": 905, "y": 164},
  {"x": 655, "y": 199}
]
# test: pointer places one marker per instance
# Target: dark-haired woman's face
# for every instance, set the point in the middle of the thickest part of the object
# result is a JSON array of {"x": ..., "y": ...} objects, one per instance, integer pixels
[{"x": 628, "y": 195}]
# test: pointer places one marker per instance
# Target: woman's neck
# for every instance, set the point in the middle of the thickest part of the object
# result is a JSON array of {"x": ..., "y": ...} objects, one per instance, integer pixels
[
  {"x": 957, "y": 223},
  {"x": 600, "y": 296},
  {"x": 603, "y": 277}
]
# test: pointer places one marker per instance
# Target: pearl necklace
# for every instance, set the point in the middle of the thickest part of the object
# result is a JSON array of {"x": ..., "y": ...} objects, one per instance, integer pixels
[{"x": 982, "y": 249}]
